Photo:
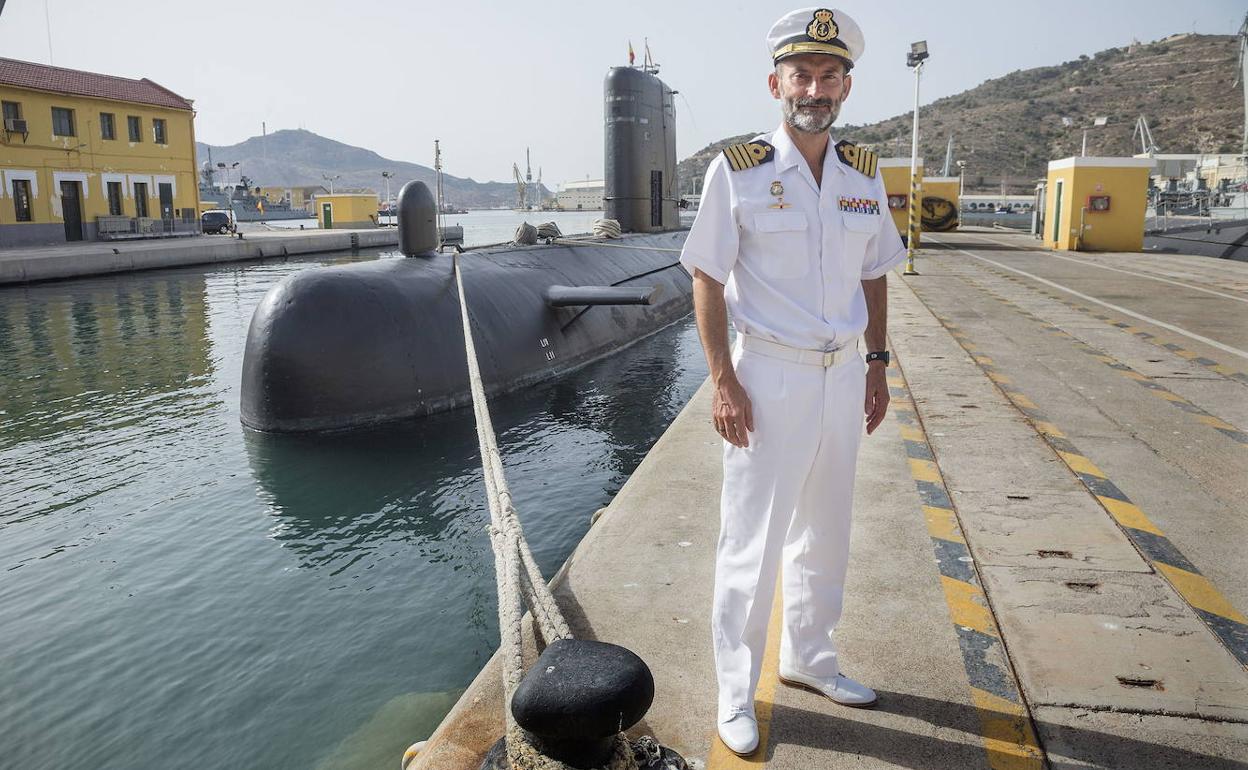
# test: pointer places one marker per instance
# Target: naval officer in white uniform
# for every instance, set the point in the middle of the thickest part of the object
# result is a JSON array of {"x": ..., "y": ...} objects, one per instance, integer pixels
[{"x": 794, "y": 238}]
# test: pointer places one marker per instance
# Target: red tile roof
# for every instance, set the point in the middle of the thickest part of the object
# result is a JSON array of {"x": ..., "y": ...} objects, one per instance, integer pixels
[{"x": 41, "y": 77}]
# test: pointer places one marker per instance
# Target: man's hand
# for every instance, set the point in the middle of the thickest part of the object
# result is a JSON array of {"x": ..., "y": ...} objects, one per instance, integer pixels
[
  {"x": 731, "y": 412},
  {"x": 876, "y": 405}
]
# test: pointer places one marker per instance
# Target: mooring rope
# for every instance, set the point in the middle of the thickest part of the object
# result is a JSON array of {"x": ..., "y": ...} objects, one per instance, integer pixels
[{"x": 520, "y": 582}]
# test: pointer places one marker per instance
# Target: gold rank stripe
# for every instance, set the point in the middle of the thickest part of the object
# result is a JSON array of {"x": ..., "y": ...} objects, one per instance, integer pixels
[
  {"x": 738, "y": 157},
  {"x": 1222, "y": 618},
  {"x": 1006, "y": 729}
]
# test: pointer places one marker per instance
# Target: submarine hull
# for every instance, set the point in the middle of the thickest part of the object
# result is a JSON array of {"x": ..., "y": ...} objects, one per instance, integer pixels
[{"x": 337, "y": 348}]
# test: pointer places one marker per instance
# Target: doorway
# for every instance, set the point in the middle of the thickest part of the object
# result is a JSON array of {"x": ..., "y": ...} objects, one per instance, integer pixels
[
  {"x": 71, "y": 210},
  {"x": 1057, "y": 211},
  {"x": 140, "y": 199},
  {"x": 327, "y": 214},
  {"x": 166, "y": 204}
]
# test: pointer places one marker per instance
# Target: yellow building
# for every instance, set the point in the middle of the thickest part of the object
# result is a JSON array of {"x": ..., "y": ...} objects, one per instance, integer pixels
[
  {"x": 346, "y": 211},
  {"x": 85, "y": 156},
  {"x": 896, "y": 173},
  {"x": 940, "y": 203},
  {"x": 1096, "y": 204}
]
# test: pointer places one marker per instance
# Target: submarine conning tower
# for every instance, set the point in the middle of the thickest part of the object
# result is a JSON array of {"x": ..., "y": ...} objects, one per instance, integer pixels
[{"x": 640, "y": 133}]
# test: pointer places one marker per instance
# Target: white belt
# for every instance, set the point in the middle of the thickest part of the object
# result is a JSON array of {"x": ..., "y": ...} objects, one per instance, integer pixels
[{"x": 797, "y": 355}]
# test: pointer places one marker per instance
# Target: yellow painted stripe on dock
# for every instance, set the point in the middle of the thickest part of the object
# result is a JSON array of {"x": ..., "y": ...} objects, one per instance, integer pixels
[
  {"x": 1132, "y": 374},
  {"x": 911, "y": 433},
  {"x": 720, "y": 756},
  {"x": 1215, "y": 422},
  {"x": 1081, "y": 464},
  {"x": 1169, "y": 395},
  {"x": 1008, "y": 737},
  {"x": 1022, "y": 401},
  {"x": 967, "y": 606},
  {"x": 924, "y": 470},
  {"x": 943, "y": 523},
  {"x": 998, "y": 377},
  {"x": 1049, "y": 429},
  {"x": 1129, "y": 515},
  {"x": 1200, "y": 593},
  {"x": 983, "y": 360}
]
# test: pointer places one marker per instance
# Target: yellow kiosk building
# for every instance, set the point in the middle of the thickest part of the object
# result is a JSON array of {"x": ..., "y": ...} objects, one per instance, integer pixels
[
  {"x": 1096, "y": 204},
  {"x": 86, "y": 156}
]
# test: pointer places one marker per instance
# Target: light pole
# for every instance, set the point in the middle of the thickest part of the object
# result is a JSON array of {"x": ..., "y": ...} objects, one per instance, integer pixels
[
  {"x": 961, "y": 180},
  {"x": 330, "y": 179},
  {"x": 389, "y": 207},
  {"x": 918, "y": 54}
]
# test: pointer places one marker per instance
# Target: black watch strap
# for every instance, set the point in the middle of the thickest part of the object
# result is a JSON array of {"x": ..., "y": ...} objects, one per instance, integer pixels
[{"x": 879, "y": 355}]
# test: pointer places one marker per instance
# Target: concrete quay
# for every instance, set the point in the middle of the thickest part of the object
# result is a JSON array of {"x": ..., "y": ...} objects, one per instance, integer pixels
[
  {"x": 1047, "y": 563},
  {"x": 74, "y": 260}
]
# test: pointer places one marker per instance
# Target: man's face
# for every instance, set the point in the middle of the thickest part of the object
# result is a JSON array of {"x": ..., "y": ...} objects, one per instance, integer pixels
[{"x": 811, "y": 89}]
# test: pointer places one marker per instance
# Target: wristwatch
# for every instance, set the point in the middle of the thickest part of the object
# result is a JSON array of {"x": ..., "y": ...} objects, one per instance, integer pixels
[{"x": 879, "y": 355}]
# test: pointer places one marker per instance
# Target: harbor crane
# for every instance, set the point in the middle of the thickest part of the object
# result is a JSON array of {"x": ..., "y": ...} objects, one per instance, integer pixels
[
  {"x": 522, "y": 192},
  {"x": 1147, "y": 145}
]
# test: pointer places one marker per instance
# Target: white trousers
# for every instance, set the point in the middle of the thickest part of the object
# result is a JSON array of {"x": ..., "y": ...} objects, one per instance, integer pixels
[{"x": 786, "y": 498}]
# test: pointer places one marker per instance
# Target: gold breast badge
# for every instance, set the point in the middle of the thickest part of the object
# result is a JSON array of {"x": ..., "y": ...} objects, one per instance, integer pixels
[{"x": 777, "y": 190}]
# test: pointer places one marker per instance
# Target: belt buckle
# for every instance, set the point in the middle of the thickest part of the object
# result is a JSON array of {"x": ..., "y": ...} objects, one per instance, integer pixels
[{"x": 829, "y": 358}]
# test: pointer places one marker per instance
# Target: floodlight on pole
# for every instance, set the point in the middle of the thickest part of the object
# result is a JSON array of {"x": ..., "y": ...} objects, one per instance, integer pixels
[
  {"x": 918, "y": 54},
  {"x": 330, "y": 179}
]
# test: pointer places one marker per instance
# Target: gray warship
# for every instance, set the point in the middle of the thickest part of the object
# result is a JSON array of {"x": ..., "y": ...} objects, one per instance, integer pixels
[{"x": 345, "y": 347}]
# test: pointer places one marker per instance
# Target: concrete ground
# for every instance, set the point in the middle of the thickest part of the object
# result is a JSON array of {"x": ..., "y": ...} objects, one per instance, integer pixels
[
  {"x": 1047, "y": 564},
  {"x": 73, "y": 260}
]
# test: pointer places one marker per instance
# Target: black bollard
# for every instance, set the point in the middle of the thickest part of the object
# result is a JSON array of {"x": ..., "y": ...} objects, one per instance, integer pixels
[
  {"x": 578, "y": 696},
  {"x": 418, "y": 221}
]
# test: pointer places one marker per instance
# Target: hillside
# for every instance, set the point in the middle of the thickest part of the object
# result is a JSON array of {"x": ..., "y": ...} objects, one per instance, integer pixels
[
  {"x": 1012, "y": 126},
  {"x": 301, "y": 157}
]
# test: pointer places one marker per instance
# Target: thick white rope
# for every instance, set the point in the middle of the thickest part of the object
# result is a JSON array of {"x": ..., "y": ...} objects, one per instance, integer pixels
[{"x": 516, "y": 574}]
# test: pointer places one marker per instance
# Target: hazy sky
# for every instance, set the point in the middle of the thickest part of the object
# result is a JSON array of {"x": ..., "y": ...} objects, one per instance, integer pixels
[{"x": 489, "y": 79}]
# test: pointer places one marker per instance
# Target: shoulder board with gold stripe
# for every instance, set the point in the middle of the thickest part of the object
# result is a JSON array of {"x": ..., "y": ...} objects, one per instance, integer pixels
[
  {"x": 863, "y": 161},
  {"x": 749, "y": 155}
]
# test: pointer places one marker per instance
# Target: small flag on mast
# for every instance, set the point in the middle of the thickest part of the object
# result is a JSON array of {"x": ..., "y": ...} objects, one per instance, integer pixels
[{"x": 631, "y": 56}]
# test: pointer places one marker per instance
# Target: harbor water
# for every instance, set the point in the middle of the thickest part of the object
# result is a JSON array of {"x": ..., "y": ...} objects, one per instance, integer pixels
[{"x": 175, "y": 589}]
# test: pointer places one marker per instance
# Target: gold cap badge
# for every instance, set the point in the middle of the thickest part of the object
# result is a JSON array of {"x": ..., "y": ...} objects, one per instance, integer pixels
[{"x": 822, "y": 29}]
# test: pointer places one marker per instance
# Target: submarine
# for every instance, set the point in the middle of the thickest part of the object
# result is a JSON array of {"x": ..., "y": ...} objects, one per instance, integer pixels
[{"x": 352, "y": 346}]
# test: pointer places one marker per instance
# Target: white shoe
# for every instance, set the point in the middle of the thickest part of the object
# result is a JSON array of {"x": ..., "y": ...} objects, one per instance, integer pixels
[
  {"x": 842, "y": 689},
  {"x": 739, "y": 733}
]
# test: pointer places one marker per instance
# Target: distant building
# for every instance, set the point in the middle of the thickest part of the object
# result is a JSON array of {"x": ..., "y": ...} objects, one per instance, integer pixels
[
  {"x": 295, "y": 197},
  {"x": 346, "y": 210},
  {"x": 582, "y": 196},
  {"x": 85, "y": 156}
]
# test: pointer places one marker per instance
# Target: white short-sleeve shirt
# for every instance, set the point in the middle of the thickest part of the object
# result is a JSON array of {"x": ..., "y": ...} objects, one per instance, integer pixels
[{"x": 793, "y": 273}]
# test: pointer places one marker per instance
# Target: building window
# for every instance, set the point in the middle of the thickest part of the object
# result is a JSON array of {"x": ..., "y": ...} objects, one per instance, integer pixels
[
  {"x": 158, "y": 130},
  {"x": 135, "y": 124},
  {"x": 108, "y": 126},
  {"x": 140, "y": 198},
  {"x": 21, "y": 200},
  {"x": 63, "y": 122},
  {"x": 12, "y": 110},
  {"x": 114, "y": 198}
]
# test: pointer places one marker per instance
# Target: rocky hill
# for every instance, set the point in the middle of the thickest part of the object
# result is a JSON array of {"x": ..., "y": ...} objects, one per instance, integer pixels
[
  {"x": 1009, "y": 128},
  {"x": 290, "y": 158}
]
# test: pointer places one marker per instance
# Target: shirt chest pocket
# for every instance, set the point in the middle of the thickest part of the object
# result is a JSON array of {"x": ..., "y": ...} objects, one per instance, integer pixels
[
  {"x": 858, "y": 231},
  {"x": 782, "y": 242}
]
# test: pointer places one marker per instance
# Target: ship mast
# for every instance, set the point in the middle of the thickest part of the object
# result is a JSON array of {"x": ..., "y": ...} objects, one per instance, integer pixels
[{"x": 437, "y": 184}]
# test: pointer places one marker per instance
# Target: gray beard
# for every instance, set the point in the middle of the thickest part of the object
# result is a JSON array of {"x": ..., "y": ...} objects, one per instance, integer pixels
[{"x": 806, "y": 121}]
